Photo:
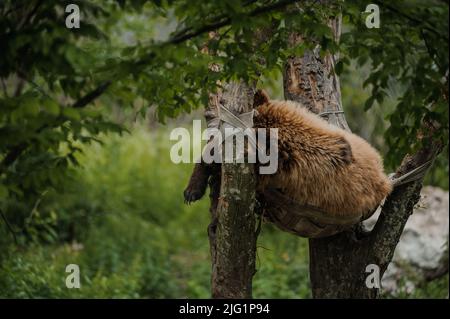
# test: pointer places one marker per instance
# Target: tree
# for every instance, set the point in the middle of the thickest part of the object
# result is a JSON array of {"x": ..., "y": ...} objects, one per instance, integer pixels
[
  {"x": 232, "y": 232},
  {"x": 341, "y": 264},
  {"x": 335, "y": 272},
  {"x": 52, "y": 76}
]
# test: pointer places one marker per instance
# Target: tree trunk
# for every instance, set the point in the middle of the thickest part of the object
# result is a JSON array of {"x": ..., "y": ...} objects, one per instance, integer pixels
[
  {"x": 232, "y": 232},
  {"x": 338, "y": 264}
]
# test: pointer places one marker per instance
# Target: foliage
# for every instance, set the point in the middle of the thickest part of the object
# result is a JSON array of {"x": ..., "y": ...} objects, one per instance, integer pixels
[
  {"x": 121, "y": 223},
  {"x": 43, "y": 70},
  {"x": 371, "y": 124},
  {"x": 61, "y": 70},
  {"x": 408, "y": 53},
  {"x": 47, "y": 90},
  {"x": 133, "y": 239},
  {"x": 61, "y": 90}
]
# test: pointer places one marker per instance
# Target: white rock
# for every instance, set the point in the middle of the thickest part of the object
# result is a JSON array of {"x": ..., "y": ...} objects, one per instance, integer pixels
[{"x": 423, "y": 241}]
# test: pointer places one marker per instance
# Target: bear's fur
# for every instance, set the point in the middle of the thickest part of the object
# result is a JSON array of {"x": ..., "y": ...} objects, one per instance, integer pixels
[
  {"x": 319, "y": 164},
  {"x": 322, "y": 165}
]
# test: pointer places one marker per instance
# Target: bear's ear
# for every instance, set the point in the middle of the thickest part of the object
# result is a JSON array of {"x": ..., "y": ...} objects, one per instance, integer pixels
[{"x": 261, "y": 97}]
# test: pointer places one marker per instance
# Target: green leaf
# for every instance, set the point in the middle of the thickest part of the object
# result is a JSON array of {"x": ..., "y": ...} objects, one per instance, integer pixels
[
  {"x": 71, "y": 113},
  {"x": 30, "y": 107},
  {"x": 51, "y": 107},
  {"x": 3, "y": 191},
  {"x": 369, "y": 103}
]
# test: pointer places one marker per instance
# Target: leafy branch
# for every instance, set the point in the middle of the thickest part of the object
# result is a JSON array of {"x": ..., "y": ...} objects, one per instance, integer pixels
[
  {"x": 412, "y": 19},
  {"x": 180, "y": 37}
]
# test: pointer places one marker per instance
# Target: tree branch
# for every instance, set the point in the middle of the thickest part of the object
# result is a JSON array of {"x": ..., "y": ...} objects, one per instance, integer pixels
[
  {"x": 415, "y": 20},
  {"x": 399, "y": 205},
  {"x": 91, "y": 96},
  {"x": 185, "y": 34}
]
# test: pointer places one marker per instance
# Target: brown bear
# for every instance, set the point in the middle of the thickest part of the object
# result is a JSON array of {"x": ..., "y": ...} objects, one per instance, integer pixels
[{"x": 319, "y": 165}]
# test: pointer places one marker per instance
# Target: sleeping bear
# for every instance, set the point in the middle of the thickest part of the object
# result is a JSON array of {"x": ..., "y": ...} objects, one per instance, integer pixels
[{"x": 319, "y": 165}]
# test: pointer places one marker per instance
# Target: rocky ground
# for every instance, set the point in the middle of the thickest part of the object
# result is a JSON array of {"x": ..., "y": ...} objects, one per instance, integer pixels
[{"x": 422, "y": 253}]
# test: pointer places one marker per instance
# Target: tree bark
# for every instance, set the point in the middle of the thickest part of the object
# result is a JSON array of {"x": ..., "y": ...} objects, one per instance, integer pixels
[
  {"x": 338, "y": 263},
  {"x": 233, "y": 229},
  {"x": 232, "y": 232}
]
